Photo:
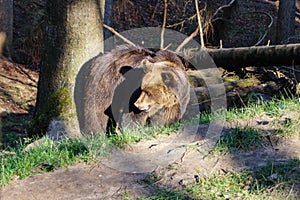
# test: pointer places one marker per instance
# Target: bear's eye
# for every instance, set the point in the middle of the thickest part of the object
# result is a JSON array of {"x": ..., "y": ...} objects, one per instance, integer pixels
[{"x": 148, "y": 93}]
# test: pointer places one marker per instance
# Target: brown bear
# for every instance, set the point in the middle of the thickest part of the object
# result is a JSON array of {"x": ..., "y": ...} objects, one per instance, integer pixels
[
  {"x": 131, "y": 86},
  {"x": 165, "y": 89}
]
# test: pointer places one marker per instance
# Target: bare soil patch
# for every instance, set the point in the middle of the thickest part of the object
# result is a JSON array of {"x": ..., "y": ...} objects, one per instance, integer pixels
[
  {"x": 143, "y": 167},
  {"x": 172, "y": 160},
  {"x": 18, "y": 88}
]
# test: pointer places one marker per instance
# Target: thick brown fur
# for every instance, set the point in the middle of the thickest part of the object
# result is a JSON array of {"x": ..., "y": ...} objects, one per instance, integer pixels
[
  {"x": 102, "y": 78},
  {"x": 165, "y": 89},
  {"x": 106, "y": 86}
]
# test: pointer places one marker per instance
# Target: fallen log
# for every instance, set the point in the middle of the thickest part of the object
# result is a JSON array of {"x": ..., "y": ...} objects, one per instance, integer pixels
[{"x": 275, "y": 55}]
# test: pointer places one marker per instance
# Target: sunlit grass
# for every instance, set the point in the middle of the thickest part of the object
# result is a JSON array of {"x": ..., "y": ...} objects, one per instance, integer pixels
[
  {"x": 132, "y": 135},
  {"x": 240, "y": 185},
  {"x": 239, "y": 140},
  {"x": 18, "y": 163},
  {"x": 274, "y": 108}
]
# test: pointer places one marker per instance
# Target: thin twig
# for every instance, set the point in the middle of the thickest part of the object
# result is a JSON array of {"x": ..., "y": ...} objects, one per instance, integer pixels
[
  {"x": 22, "y": 71},
  {"x": 281, "y": 183},
  {"x": 213, "y": 19},
  {"x": 182, "y": 22},
  {"x": 268, "y": 29},
  {"x": 194, "y": 34},
  {"x": 118, "y": 34},
  {"x": 156, "y": 6},
  {"x": 222, "y": 7},
  {"x": 199, "y": 24},
  {"x": 183, "y": 155},
  {"x": 163, "y": 25},
  {"x": 167, "y": 46},
  {"x": 242, "y": 101},
  {"x": 186, "y": 40},
  {"x": 291, "y": 190},
  {"x": 14, "y": 79},
  {"x": 195, "y": 15},
  {"x": 297, "y": 13}
]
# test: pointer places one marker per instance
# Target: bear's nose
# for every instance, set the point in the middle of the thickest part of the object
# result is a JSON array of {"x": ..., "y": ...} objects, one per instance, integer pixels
[
  {"x": 141, "y": 107},
  {"x": 136, "y": 105},
  {"x": 147, "y": 109}
]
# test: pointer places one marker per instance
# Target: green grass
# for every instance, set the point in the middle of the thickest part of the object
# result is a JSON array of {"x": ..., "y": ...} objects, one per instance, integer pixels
[
  {"x": 274, "y": 174},
  {"x": 17, "y": 163},
  {"x": 274, "y": 108},
  {"x": 240, "y": 185},
  {"x": 11, "y": 126},
  {"x": 245, "y": 139},
  {"x": 137, "y": 134},
  {"x": 248, "y": 138},
  {"x": 164, "y": 194}
]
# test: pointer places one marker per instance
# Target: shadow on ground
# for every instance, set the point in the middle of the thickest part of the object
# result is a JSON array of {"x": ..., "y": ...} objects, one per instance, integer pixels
[{"x": 173, "y": 163}]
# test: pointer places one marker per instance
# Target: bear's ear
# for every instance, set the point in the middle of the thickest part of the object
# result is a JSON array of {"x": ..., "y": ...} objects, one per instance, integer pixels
[
  {"x": 168, "y": 79},
  {"x": 146, "y": 62},
  {"x": 147, "y": 65},
  {"x": 125, "y": 69}
]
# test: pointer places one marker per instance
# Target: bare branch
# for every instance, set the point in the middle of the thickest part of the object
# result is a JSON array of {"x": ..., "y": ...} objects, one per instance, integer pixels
[
  {"x": 156, "y": 6},
  {"x": 222, "y": 7},
  {"x": 167, "y": 47},
  {"x": 186, "y": 40},
  {"x": 118, "y": 34},
  {"x": 194, "y": 34},
  {"x": 199, "y": 24},
  {"x": 182, "y": 22},
  {"x": 163, "y": 25},
  {"x": 268, "y": 29},
  {"x": 16, "y": 80},
  {"x": 213, "y": 20},
  {"x": 297, "y": 13}
]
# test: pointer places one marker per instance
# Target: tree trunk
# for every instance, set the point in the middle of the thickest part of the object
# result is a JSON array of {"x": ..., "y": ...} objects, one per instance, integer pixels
[
  {"x": 276, "y": 55},
  {"x": 286, "y": 21},
  {"x": 6, "y": 26},
  {"x": 72, "y": 37},
  {"x": 107, "y": 17}
]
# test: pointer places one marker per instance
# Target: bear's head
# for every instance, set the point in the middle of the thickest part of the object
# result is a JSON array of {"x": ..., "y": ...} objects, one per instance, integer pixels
[{"x": 161, "y": 87}]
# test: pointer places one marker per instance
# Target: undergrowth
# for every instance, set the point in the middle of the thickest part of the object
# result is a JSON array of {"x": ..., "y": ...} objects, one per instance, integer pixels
[
  {"x": 18, "y": 162},
  {"x": 274, "y": 181}
]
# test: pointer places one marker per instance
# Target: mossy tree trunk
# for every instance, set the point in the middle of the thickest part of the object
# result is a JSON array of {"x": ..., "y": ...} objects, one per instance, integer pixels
[
  {"x": 6, "y": 26},
  {"x": 72, "y": 37}
]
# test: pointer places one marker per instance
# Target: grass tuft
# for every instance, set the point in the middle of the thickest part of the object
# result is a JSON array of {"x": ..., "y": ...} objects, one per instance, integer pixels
[
  {"x": 245, "y": 139},
  {"x": 47, "y": 156},
  {"x": 241, "y": 185}
]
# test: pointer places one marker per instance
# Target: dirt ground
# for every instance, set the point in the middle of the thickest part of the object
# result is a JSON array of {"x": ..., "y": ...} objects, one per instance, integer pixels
[
  {"x": 175, "y": 159},
  {"x": 127, "y": 171}
]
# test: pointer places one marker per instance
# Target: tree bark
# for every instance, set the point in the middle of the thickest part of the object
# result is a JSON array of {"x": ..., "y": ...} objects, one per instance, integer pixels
[
  {"x": 286, "y": 21},
  {"x": 107, "y": 17},
  {"x": 72, "y": 37},
  {"x": 276, "y": 55},
  {"x": 6, "y": 26}
]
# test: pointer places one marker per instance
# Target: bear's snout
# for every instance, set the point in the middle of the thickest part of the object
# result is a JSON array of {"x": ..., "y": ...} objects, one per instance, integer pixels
[{"x": 142, "y": 106}]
